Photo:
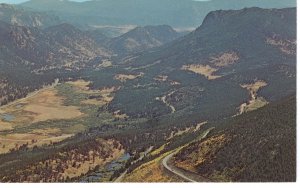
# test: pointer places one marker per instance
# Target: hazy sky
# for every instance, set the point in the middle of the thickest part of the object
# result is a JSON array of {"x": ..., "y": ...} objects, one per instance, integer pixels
[{"x": 21, "y": 1}]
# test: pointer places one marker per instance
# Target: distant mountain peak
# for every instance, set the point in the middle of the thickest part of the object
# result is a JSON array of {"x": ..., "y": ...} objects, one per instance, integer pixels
[{"x": 142, "y": 38}]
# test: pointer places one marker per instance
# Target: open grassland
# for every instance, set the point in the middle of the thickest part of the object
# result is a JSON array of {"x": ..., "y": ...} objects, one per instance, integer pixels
[
  {"x": 5, "y": 126},
  {"x": 105, "y": 64},
  {"x": 49, "y": 106},
  {"x": 46, "y": 105},
  {"x": 215, "y": 63},
  {"x": 125, "y": 77},
  {"x": 69, "y": 108},
  {"x": 15, "y": 141},
  {"x": 51, "y": 115},
  {"x": 255, "y": 102},
  {"x": 204, "y": 70},
  {"x": 254, "y": 87},
  {"x": 96, "y": 97}
]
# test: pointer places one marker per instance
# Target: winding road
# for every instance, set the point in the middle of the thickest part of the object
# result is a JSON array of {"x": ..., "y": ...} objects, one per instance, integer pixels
[
  {"x": 173, "y": 169},
  {"x": 188, "y": 176}
]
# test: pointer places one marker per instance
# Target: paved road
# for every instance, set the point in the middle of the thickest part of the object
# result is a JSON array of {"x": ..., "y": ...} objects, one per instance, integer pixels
[
  {"x": 120, "y": 178},
  {"x": 173, "y": 170}
]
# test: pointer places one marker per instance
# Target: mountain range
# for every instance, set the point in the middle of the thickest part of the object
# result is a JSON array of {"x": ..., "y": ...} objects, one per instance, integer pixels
[
  {"x": 97, "y": 13},
  {"x": 217, "y": 102},
  {"x": 229, "y": 49},
  {"x": 19, "y": 16}
]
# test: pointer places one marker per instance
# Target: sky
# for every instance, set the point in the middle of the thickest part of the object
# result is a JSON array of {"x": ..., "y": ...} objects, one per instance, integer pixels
[{"x": 21, "y": 1}]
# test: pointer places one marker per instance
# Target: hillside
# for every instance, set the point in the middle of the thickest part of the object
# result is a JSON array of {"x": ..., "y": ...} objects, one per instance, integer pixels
[
  {"x": 31, "y": 54},
  {"x": 142, "y": 38},
  {"x": 258, "y": 146},
  {"x": 19, "y": 16},
  {"x": 98, "y": 13},
  {"x": 217, "y": 69}
]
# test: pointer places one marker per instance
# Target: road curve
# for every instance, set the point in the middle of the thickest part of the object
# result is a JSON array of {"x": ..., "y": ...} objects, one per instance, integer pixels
[
  {"x": 173, "y": 170},
  {"x": 177, "y": 171}
]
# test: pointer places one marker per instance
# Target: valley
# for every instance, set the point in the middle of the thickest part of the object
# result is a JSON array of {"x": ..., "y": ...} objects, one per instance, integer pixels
[
  {"x": 82, "y": 103},
  {"x": 52, "y": 107}
]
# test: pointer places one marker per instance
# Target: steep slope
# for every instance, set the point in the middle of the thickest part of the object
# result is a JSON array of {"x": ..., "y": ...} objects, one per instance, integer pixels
[
  {"x": 143, "y": 12},
  {"x": 257, "y": 146},
  {"x": 19, "y": 16},
  {"x": 142, "y": 38}
]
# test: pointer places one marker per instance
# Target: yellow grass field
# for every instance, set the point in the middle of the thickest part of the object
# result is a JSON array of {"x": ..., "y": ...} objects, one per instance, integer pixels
[
  {"x": 105, "y": 94},
  {"x": 34, "y": 138},
  {"x": 213, "y": 65},
  {"x": 49, "y": 106},
  {"x": 255, "y": 102},
  {"x": 254, "y": 87},
  {"x": 5, "y": 126},
  {"x": 125, "y": 77},
  {"x": 42, "y": 106},
  {"x": 81, "y": 86},
  {"x": 45, "y": 105},
  {"x": 105, "y": 64},
  {"x": 204, "y": 70}
]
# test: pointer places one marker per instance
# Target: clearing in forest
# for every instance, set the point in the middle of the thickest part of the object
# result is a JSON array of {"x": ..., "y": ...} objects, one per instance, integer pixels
[
  {"x": 125, "y": 77},
  {"x": 255, "y": 102},
  {"x": 204, "y": 70},
  {"x": 44, "y": 105}
]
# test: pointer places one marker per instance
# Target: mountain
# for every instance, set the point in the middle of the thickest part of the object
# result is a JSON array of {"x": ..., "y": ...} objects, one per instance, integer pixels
[
  {"x": 31, "y": 54},
  {"x": 143, "y": 12},
  {"x": 259, "y": 146},
  {"x": 133, "y": 112},
  {"x": 98, "y": 36},
  {"x": 77, "y": 42},
  {"x": 142, "y": 38},
  {"x": 247, "y": 54},
  {"x": 60, "y": 45},
  {"x": 19, "y": 16}
]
